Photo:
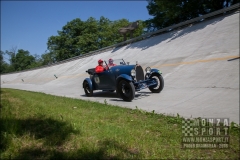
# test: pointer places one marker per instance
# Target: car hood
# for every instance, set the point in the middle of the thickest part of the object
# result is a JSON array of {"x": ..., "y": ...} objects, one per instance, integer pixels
[{"x": 126, "y": 69}]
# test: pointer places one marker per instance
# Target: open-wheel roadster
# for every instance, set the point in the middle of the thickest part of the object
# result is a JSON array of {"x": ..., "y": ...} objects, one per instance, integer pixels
[{"x": 125, "y": 79}]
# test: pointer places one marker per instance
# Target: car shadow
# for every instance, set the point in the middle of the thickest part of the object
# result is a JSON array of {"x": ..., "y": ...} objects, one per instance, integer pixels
[
  {"x": 141, "y": 95},
  {"x": 138, "y": 95},
  {"x": 145, "y": 92},
  {"x": 117, "y": 100},
  {"x": 105, "y": 94},
  {"x": 115, "y": 97}
]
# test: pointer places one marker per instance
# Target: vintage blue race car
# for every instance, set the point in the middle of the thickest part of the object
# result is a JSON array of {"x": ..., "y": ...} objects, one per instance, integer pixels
[{"x": 125, "y": 79}]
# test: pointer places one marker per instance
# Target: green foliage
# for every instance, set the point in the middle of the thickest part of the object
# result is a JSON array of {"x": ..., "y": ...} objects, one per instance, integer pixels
[
  {"x": 20, "y": 60},
  {"x": 3, "y": 65},
  {"x": 105, "y": 32},
  {"x": 23, "y": 60},
  {"x": 79, "y": 37},
  {"x": 167, "y": 13},
  {"x": 48, "y": 58}
]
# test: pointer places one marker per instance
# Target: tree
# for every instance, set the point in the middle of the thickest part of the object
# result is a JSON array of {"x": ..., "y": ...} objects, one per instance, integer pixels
[
  {"x": 88, "y": 40},
  {"x": 166, "y": 13},
  {"x": 19, "y": 60},
  {"x": 37, "y": 62},
  {"x": 66, "y": 44},
  {"x": 12, "y": 54},
  {"x": 48, "y": 58},
  {"x": 104, "y": 32},
  {"x": 4, "y": 66},
  {"x": 23, "y": 60},
  {"x": 214, "y": 5},
  {"x": 78, "y": 37},
  {"x": 11, "y": 57}
]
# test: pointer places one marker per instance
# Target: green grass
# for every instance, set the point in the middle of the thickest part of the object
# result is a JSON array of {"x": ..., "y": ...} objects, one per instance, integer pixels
[{"x": 41, "y": 126}]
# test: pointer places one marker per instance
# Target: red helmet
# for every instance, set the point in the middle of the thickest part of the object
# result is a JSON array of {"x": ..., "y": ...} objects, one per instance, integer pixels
[
  {"x": 100, "y": 61},
  {"x": 110, "y": 60}
]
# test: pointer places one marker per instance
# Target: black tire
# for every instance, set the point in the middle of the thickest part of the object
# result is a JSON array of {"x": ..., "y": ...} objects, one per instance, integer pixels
[
  {"x": 160, "y": 83},
  {"x": 87, "y": 89},
  {"x": 108, "y": 90},
  {"x": 126, "y": 90}
]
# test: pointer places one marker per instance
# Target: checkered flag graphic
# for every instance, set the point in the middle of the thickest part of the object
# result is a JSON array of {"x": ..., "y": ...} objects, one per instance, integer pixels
[{"x": 187, "y": 129}]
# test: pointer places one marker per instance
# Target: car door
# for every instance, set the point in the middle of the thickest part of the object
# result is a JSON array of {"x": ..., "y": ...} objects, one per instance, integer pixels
[{"x": 105, "y": 80}]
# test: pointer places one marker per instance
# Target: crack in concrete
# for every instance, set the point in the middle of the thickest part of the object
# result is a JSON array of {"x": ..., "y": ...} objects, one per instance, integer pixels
[{"x": 204, "y": 87}]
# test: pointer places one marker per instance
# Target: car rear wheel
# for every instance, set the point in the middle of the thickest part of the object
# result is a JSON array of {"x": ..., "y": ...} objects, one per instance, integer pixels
[
  {"x": 160, "y": 83},
  {"x": 87, "y": 89},
  {"x": 126, "y": 90}
]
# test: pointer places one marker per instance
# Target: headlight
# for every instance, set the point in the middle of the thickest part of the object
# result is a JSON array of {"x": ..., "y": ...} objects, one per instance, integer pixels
[
  {"x": 148, "y": 70},
  {"x": 133, "y": 72}
]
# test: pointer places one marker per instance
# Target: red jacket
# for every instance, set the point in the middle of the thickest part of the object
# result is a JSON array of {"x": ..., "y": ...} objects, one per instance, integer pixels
[{"x": 99, "y": 69}]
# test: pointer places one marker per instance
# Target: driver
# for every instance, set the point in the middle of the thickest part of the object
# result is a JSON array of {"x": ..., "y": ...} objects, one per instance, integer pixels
[{"x": 100, "y": 67}]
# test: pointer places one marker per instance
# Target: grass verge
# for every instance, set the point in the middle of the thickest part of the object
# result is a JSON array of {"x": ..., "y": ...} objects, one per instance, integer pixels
[{"x": 41, "y": 126}]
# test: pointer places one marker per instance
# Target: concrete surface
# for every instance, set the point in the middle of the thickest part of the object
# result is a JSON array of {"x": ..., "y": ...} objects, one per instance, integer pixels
[{"x": 201, "y": 79}]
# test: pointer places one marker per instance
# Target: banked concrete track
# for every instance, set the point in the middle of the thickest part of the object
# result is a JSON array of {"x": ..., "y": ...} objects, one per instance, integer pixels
[{"x": 200, "y": 72}]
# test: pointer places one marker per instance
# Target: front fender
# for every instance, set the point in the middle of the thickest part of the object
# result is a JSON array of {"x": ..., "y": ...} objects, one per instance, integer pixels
[
  {"x": 89, "y": 82},
  {"x": 123, "y": 76},
  {"x": 155, "y": 71},
  {"x": 152, "y": 71}
]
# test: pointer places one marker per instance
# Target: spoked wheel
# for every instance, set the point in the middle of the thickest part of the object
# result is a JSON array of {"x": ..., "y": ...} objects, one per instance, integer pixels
[
  {"x": 160, "y": 83},
  {"x": 87, "y": 89},
  {"x": 126, "y": 90}
]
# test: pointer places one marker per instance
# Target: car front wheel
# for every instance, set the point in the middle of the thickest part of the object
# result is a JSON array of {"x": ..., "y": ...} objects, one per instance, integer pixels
[
  {"x": 160, "y": 83},
  {"x": 87, "y": 89},
  {"x": 126, "y": 90}
]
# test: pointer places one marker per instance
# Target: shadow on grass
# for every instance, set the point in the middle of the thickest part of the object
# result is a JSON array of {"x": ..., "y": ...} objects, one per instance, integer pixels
[
  {"x": 51, "y": 131},
  {"x": 99, "y": 153},
  {"x": 54, "y": 134}
]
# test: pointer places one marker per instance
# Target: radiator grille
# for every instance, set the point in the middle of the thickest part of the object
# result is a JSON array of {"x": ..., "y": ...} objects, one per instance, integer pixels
[{"x": 139, "y": 73}]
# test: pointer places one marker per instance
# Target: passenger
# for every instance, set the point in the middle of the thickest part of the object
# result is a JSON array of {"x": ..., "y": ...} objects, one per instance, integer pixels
[
  {"x": 110, "y": 63},
  {"x": 100, "y": 67}
]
